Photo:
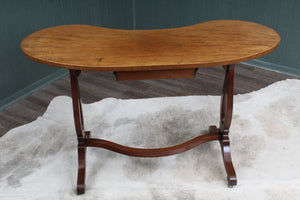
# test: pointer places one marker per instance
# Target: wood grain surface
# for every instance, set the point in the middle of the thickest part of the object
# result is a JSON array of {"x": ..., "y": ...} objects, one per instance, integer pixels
[{"x": 84, "y": 47}]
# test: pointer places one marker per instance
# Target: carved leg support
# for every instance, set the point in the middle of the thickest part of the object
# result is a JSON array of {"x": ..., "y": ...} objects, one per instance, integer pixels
[
  {"x": 221, "y": 134},
  {"x": 81, "y": 134},
  {"x": 225, "y": 122}
]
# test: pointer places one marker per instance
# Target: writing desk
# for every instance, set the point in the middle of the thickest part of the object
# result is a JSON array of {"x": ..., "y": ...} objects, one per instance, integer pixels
[{"x": 152, "y": 54}]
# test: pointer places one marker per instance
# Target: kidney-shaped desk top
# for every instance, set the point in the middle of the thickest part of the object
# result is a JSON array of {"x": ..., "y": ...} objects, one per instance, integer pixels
[{"x": 213, "y": 43}]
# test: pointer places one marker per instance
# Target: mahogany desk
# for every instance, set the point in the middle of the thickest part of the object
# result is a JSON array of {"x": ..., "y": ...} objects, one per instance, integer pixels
[{"x": 152, "y": 54}]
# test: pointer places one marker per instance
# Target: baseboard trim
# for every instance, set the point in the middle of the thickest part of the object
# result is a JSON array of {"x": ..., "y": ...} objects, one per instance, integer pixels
[
  {"x": 21, "y": 94},
  {"x": 274, "y": 67}
]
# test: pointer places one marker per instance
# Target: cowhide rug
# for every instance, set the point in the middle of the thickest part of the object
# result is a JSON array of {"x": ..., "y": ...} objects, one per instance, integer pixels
[{"x": 39, "y": 160}]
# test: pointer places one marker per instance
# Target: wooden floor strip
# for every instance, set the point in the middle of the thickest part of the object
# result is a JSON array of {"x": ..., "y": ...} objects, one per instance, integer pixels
[{"x": 98, "y": 85}]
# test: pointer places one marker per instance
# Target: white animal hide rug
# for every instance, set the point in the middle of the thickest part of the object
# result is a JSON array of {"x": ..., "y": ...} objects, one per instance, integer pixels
[{"x": 39, "y": 160}]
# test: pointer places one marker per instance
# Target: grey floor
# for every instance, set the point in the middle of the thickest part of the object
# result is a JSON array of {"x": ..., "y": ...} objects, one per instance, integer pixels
[{"x": 98, "y": 85}]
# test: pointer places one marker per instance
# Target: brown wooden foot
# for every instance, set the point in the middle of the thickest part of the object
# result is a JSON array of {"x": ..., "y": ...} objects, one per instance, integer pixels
[
  {"x": 81, "y": 168},
  {"x": 225, "y": 146}
]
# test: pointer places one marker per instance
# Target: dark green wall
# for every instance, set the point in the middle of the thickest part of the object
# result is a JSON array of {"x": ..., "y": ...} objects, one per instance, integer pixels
[
  {"x": 281, "y": 15},
  {"x": 18, "y": 18}
]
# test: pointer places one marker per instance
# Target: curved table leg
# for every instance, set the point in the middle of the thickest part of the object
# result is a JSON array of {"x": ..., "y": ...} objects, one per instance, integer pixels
[
  {"x": 225, "y": 122},
  {"x": 81, "y": 134}
]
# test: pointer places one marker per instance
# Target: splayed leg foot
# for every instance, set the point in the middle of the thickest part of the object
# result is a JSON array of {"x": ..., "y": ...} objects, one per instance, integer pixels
[
  {"x": 226, "y": 153},
  {"x": 81, "y": 169}
]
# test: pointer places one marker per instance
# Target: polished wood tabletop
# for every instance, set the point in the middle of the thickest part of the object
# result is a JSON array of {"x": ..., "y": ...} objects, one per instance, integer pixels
[{"x": 85, "y": 47}]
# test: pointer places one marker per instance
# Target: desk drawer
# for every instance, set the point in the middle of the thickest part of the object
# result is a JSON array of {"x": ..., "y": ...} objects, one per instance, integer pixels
[{"x": 155, "y": 74}]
